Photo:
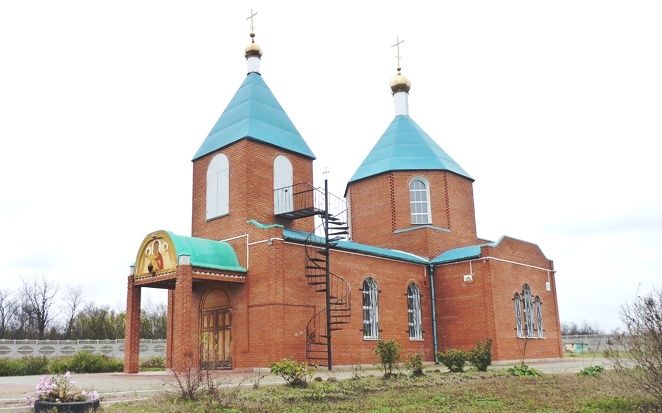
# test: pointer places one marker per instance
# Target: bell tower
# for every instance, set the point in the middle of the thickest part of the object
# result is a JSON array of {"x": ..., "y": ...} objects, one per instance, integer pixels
[{"x": 250, "y": 163}]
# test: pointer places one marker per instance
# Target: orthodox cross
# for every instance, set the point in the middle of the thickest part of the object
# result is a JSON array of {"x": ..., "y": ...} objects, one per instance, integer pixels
[
  {"x": 397, "y": 44},
  {"x": 253, "y": 14}
]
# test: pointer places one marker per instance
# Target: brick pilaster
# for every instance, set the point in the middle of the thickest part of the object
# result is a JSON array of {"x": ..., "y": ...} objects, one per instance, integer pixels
[
  {"x": 132, "y": 328},
  {"x": 169, "y": 328},
  {"x": 185, "y": 338}
]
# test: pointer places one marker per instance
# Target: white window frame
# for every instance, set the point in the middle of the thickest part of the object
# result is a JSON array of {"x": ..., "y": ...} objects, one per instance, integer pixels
[
  {"x": 283, "y": 181},
  {"x": 414, "y": 312},
  {"x": 528, "y": 311},
  {"x": 518, "y": 314},
  {"x": 420, "y": 217},
  {"x": 370, "y": 309},
  {"x": 218, "y": 187},
  {"x": 537, "y": 306}
]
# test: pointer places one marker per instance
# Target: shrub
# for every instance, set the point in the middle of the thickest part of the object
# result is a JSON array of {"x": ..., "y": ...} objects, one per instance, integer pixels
[
  {"x": 85, "y": 362},
  {"x": 415, "y": 364},
  {"x": 388, "y": 352},
  {"x": 524, "y": 370},
  {"x": 294, "y": 373},
  {"x": 156, "y": 362},
  {"x": 591, "y": 371},
  {"x": 642, "y": 346},
  {"x": 481, "y": 356},
  {"x": 25, "y": 366},
  {"x": 453, "y": 359}
]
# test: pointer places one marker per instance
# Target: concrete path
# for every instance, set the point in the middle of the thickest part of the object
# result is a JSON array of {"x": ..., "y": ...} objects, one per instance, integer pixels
[{"x": 116, "y": 387}]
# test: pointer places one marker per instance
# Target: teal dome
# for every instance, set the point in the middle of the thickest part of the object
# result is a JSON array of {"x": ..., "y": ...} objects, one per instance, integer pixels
[
  {"x": 254, "y": 113},
  {"x": 406, "y": 147}
]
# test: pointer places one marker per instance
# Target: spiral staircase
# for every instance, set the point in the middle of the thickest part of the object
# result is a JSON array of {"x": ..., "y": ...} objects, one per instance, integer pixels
[{"x": 305, "y": 201}]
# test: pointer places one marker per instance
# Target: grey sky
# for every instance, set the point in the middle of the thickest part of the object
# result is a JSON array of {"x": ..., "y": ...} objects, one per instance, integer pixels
[{"x": 553, "y": 107}]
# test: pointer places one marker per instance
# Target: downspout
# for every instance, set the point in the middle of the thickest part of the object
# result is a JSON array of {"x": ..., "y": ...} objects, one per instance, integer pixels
[{"x": 433, "y": 304}]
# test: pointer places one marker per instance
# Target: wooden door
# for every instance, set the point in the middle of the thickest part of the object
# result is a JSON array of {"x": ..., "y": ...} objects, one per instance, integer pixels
[{"x": 216, "y": 339}]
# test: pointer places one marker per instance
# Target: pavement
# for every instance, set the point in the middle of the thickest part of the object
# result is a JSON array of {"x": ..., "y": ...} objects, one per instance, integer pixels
[{"x": 117, "y": 387}]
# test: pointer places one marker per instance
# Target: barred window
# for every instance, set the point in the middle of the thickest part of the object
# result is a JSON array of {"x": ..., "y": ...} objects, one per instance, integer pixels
[
  {"x": 518, "y": 314},
  {"x": 370, "y": 308},
  {"x": 414, "y": 312},
  {"x": 537, "y": 305},
  {"x": 419, "y": 201},
  {"x": 528, "y": 311}
]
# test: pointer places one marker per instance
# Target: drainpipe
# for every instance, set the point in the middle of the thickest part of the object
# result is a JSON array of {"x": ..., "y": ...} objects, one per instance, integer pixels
[{"x": 433, "y": 304}]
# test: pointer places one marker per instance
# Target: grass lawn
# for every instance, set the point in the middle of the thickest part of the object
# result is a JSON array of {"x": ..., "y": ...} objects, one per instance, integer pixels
[{"x": 494, "y": 391}]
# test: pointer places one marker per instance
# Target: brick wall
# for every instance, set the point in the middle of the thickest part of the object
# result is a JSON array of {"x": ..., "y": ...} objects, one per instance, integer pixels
[
  {"x": 251, "y": 190},
  {"x": 381, "y": 212}
]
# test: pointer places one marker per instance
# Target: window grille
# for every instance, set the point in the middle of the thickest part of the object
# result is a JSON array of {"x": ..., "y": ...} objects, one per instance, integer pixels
[
  {"x": 414, "y": 312},
  {"x": 518, "y": 314},
  {"x": 370, "y": 309},
  {"x": 538, "y": 309},
  {"x": 528, "y": 310}
]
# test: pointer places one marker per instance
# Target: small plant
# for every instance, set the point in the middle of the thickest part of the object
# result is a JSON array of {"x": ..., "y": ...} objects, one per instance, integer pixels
[
  {"x": 388, "y": 352},
  {"x": 153, "y": 363},
  {"x": 481, "y": 356},
  {"x": 415, "y": 364},
  {"x": 60, "y": 389},
  {"x": 258, "y": 380},
  {"x": 591, "y": 371},
  {"x": 294, "y": 373},
  {"x": 453, "y": 359},
  {"x": 522, "y": 370}
]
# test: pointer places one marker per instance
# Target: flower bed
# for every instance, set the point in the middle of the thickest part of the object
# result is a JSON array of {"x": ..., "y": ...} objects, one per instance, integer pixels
[{"x": 59, "y": 393}]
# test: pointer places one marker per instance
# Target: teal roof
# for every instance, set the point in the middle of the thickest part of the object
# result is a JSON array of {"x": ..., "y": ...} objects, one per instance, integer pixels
[
  {"x": 406, "y": 147},
  {"x": 293, "y": 235},
  {"x": 254, "y": 113},
  {"x": 460, "y": 254},
  {"x": 205, "y": 253}
]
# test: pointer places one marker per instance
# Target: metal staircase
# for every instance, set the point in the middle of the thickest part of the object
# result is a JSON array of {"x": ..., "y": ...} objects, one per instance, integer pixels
[{"x": 337, "y": 291}]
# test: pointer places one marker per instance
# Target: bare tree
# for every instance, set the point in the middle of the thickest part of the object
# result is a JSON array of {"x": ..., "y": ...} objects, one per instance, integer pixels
[
  {"x": 7, "y": 311},
  {"x": 40, "y": 294},
  {"x": 73, "y": 301},
  {"x": 642, "y": 344}
]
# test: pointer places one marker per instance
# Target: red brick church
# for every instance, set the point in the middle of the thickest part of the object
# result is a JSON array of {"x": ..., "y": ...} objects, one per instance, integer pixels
[{"x": 276, "y": 267}]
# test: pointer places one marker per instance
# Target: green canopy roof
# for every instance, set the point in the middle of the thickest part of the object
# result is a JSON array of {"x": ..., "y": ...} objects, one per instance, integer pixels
[
  {"x": 404, "y": 146},
  {"x": 254, "y": 113},
  {"x": 206, "y": 253}
]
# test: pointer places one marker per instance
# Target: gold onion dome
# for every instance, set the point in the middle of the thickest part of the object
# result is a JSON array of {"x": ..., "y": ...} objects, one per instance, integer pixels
[
  {"x": 253, "y": 49},
  {"x": 400, "y": 83}
]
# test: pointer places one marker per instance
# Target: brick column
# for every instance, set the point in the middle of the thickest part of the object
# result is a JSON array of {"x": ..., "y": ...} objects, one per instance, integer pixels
[
  {"x": 169, "y": 329},
  {"x": 185, "y": 336},
  {"x": 132, "y": 327}
]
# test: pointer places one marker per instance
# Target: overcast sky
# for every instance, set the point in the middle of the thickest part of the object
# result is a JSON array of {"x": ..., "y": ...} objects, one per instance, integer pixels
[{"x": 553, "y": 107}]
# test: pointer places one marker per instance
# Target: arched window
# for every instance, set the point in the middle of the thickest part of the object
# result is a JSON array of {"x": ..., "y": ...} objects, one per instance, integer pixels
[
  {"x": 218, "y": 187},
  {"x": 537, "y": 305},
  {"x": 419, "y": 201},
  {"x": 370, "y": 309},
  {"x": 414, "y": 311},
  {"x": 528, "y": 310},
  {"x": 282, "y": 185},
  {"x": 518, "y": 314}
]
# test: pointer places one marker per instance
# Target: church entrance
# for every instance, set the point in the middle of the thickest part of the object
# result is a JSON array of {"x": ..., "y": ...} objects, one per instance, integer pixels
[{"x": 215, "y": 334}]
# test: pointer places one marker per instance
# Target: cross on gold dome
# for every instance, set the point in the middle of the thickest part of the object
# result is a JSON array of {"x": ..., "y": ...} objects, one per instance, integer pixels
[
  {"x": 397, "y": 44},
  {"x": 253, "y": 14}
]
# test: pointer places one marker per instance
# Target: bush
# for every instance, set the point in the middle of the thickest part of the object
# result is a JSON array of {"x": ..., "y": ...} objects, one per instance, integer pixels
[
  {"x": 524, "y": 370},
  {"x": 642, "y": 346},
  {"x": 85, "y": 362},
  {"x": 481, "y": 356},
  {"x": 388, "y": 352},
  {"x": 153, "y": 363},
  {"x": 415, "y": 364},
  {"x": 453, "y": 359},
  {"x": 591, "y": 371},
  {"x": 25, "y": 366},
  {"x": 294, "y": 373}
]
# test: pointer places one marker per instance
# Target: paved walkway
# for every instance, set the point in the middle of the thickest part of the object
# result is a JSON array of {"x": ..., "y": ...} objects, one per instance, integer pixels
[{"x": 116, "y": 387}]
